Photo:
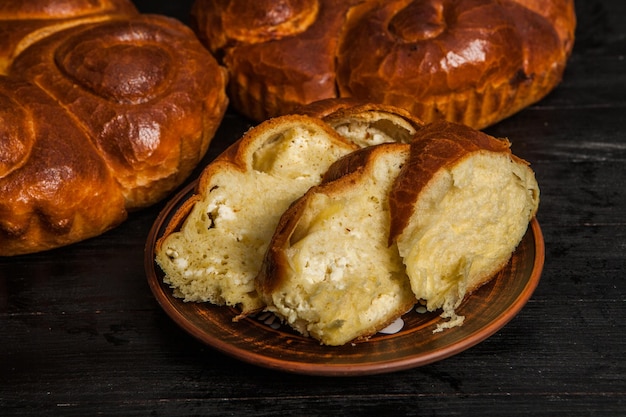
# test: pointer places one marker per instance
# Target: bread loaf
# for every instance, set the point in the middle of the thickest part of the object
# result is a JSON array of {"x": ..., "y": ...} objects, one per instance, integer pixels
[
  {"x": 443, "y": 214},
  {"x": 103, "y": 111},
  {"x": 214, "y": 247},
  {"x": 470, "y": 61}
]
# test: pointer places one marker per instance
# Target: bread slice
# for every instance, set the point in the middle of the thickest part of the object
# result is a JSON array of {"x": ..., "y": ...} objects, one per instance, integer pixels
[
  {"x": 392, "y": 224},
  {"x": 459, "y": 209},
  {"x": 228, "y": 223},
  {"x": 329, "y": 271},
  {"x": 365, "y": 124}
]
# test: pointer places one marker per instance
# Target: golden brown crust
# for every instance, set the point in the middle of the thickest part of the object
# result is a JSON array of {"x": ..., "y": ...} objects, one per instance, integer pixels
[
  {"x": 60, "y": 190},
  {"x": 252, "y": 22},
  {"x": 327, "y": 107},
  {"x": 560, "y": 13},
  {"x": 147, "y": 92},
  {"x": 470, "y": 61},
  {"x": 23, "y": 22},
  {"x": 294, "y": 67},
  {"x": 143, "y": 95},
  {"x": 479, "y": 61},
  {"x": 435, "y": 147}
]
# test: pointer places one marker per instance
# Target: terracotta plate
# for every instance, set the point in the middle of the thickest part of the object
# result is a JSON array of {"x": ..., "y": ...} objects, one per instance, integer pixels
[{"x": 251, "y": 340}]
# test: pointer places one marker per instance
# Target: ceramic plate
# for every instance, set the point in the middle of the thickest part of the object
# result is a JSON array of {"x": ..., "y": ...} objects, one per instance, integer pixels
[{"x": 255, "y": 341}]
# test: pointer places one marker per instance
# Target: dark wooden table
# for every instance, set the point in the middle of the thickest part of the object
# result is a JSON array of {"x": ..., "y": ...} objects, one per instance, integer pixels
[{"x": 81, "y": 333}]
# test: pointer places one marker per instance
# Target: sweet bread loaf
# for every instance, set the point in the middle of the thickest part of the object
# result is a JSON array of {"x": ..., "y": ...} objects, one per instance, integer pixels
[
  {"x": 395, "y": 223},
  {"x": 103, "y": 111},
  {"x": 214, "y": 247},
  {"x": 471, "y": 61}
]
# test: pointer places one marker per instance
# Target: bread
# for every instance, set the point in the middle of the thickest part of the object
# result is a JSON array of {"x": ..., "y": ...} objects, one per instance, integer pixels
[
  {"x": 470, "y": 61},
  {"x": 363, "y": 123},
  {"x": 396, "y": 223},
  {"x": 459, "y": 209},
  {"x": 330, "y": 273},
  {"x": 214, "y": 247},
  {"x": 229, "y": 221},
  {"x": 103, "y": 111},
  {"x": 23, "y": 22}
]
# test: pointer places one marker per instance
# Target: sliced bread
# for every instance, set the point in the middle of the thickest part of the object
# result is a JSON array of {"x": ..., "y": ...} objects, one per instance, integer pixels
[
  {"x": 329, "y": 271},
  {"x": 218, "y": 250},
  {"x": 393, "y": 224}
]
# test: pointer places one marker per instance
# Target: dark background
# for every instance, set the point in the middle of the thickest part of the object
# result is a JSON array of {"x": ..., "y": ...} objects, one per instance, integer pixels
[{"x": 81, "y": 333}]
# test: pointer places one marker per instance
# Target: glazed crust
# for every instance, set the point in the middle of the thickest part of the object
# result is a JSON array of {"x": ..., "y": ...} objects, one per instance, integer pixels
[
  {"x": 23, "y": 22},
  {"x": 436, "y": 147},
  {"x": 470, "y": 61},
  {"x": 55, "y": 187},
  {"x": 101, "y": 116},
  {"x": 274, "y": 67}
]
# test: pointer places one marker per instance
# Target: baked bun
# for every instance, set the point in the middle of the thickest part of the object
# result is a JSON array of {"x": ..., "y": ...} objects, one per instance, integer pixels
[
  {"x": 103, "y": 111},
  {"x": 395, "y": 223},
  {"x": 470, "y": 61},
  {"x": 214, "y": 246}
]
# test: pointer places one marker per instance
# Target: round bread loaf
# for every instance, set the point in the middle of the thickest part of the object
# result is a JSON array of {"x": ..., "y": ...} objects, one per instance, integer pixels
[
  {"x": 102, "y": 111},
  {"x": 468, "y": 61}
]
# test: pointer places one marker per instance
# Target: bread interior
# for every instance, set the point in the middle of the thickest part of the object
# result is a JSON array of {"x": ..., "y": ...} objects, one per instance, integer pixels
[
  {"x": 465, "y": 226},
  {"x": 344, "y": 280},
  {"x": 373, "y": 128},
  {"x": 219, "y": 249}
]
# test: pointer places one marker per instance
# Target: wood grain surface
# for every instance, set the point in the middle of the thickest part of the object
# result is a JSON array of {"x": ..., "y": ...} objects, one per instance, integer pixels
[{"x": 81, "y": 333}]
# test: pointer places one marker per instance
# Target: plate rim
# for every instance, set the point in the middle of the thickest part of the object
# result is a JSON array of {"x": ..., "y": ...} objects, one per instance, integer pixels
[{"x": 158, "y": 289}]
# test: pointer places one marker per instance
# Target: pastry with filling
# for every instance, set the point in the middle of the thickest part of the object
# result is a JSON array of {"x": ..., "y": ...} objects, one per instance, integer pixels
[{"x": 393, "y": 224}]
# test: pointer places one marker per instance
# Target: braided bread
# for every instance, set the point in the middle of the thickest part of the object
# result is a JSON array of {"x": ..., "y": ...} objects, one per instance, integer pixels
[
  {"x": 102, "y": 111},
  {"x": 468, "y": 61}
]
